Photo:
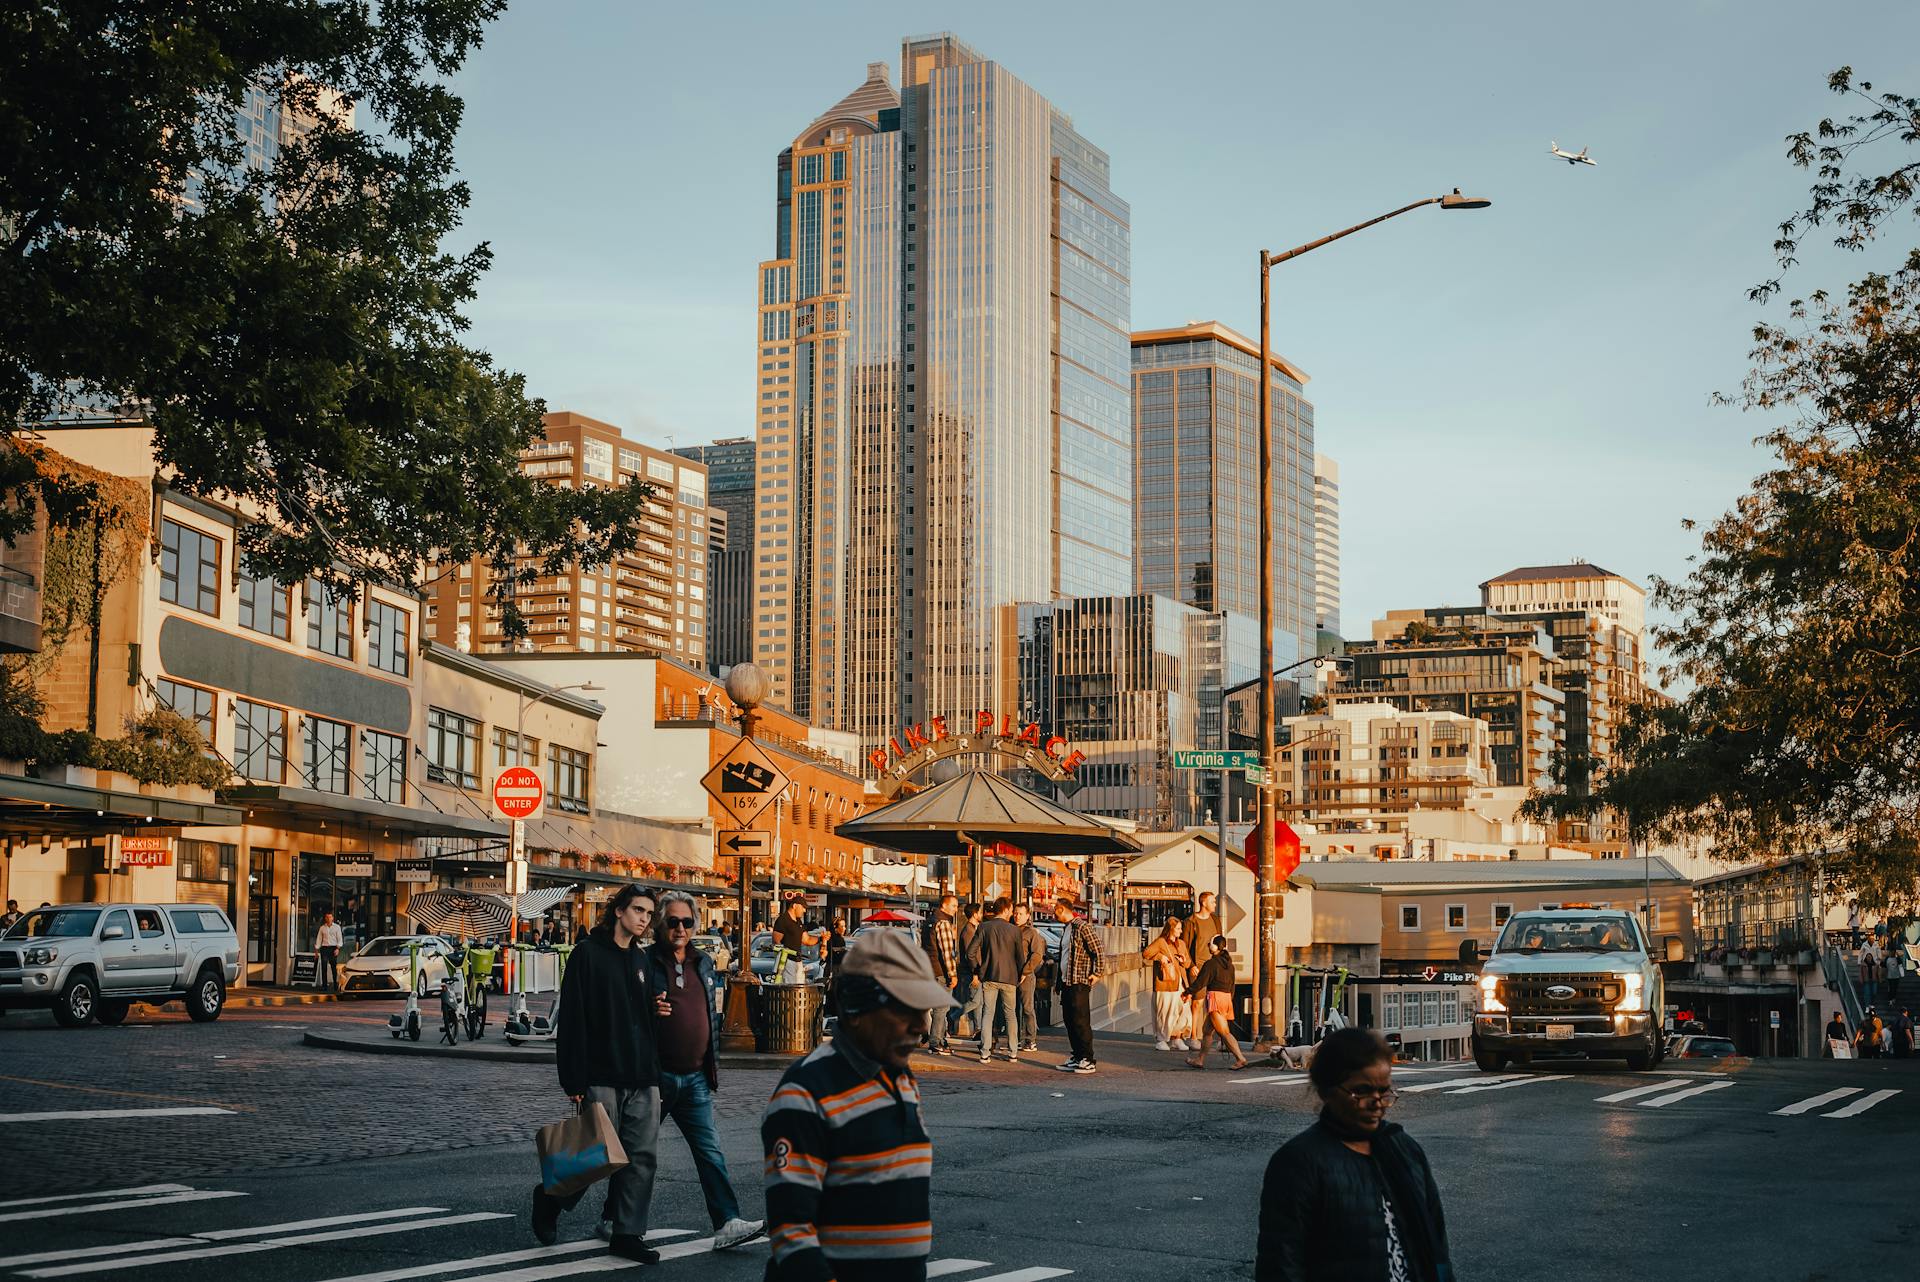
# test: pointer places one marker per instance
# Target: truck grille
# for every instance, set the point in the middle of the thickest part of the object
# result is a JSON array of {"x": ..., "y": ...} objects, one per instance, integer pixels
[
  {"x": 9, "y": 961},
  {"x": 1592, "y": 994}
]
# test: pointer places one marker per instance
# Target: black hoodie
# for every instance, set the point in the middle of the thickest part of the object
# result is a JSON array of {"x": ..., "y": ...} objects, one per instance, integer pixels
[{"x": 606, "y": 1035}]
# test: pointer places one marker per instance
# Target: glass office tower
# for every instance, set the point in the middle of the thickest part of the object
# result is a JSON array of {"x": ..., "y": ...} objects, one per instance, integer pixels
[
  {"x": 943, "y": 390},
  {"x": 1197, "y": 479}
]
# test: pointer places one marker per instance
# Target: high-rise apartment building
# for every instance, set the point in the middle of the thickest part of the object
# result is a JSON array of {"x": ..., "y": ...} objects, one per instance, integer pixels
[
  {"x": 1196, "y": 407},
  {"x": 730, "y": 492},
  {"x": 942, "y": 377},
  {"x": 1364, "y": 767},
  {"x": 654, "y": 599},
  {"x": 1533, "y": 589},
  {"x": 1326, "y": 544}
]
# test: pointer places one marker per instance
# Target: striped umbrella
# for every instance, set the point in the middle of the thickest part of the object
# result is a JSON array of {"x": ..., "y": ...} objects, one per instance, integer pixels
[
  {"x": 535, "y": 902},
  {"x": 460, "y": 912}
]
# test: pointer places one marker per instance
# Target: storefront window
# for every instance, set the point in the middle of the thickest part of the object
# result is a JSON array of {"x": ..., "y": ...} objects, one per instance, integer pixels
[{"x": 363, "y": 906}]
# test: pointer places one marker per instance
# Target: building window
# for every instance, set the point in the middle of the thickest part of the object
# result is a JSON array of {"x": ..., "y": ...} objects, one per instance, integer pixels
[
  {"x": 1456, "y": 916},
  {"x": 329, "y": 621},
  {"x": 453, "y": 748},
  {"x": 383, "y": 766},
  {"x": 189, "y": 568},
  {"x": 191, "y": 702},
  {"x": 1390, "y": 1012},
  {"x": 259, "y": 741},
  {"x": 510, "y": 749},
  {"x": 1501, "y": 912},
  {"x": 388, "y": 626},
  {"x": 264, "y": 606},
  {"x": 328, "y": 754},
  {"x": 204, "y": 861},
  {"x": 567, "y": 778},
  {"x": 1409, "y": 916}
]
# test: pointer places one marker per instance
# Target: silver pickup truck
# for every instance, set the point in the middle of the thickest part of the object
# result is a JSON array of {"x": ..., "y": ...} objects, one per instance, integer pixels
[{"x": 87, "y": 962}]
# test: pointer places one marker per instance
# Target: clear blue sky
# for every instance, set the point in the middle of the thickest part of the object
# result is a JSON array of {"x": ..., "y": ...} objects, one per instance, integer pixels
[{"x": 1530, "y": 383}]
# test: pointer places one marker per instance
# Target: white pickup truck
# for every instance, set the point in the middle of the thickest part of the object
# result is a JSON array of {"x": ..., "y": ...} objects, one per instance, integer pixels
[
  {"x": 87, "y": 962},
  {"x": 1570, "y": 981}
]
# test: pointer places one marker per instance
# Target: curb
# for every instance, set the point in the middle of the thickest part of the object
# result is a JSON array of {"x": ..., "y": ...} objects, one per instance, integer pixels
[
  {"x": 281, "y": 999},
  {"x": 496, "y": 1052}
]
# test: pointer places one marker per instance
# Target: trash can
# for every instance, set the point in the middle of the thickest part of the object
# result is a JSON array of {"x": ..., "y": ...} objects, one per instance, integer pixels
[{"x": 789, "y": 1022}]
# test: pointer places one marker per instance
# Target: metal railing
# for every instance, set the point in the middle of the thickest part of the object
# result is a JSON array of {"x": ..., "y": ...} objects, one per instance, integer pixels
[{"x": 1840, "y": 980}]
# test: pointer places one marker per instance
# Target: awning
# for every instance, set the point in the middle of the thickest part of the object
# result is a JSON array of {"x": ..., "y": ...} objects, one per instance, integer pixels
[
  {"x": 979, "y": 809},
  {"x": 310, "y": 810},
  {"x": 40, "y": 807}
]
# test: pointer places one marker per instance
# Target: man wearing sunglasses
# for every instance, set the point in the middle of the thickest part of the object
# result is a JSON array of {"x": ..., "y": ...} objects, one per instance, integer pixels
[{"x": 687, "y": 1013}]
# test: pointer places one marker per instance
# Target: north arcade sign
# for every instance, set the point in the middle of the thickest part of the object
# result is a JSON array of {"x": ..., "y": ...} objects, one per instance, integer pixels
[{"x": 920, "y": 745}]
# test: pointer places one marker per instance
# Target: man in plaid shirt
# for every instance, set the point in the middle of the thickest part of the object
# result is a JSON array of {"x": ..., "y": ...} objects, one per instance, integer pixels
[
  {"x": 943, "y": 954},
  {"x": 1080, "y": 967}
]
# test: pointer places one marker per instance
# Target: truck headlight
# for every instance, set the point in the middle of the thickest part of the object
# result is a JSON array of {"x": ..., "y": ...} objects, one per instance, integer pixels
[
  {"x": 43, "y": 956},
  {"x": 1490, "y": 993},
  {"x": 1636, "y": 994}
]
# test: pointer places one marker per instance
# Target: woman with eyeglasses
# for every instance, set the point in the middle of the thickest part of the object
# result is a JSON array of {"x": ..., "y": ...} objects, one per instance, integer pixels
[{"x": 1351, "y": 1198}]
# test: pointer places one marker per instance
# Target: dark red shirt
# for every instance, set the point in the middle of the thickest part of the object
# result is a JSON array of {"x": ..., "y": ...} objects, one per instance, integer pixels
[{"x": 683, "y": 1034}]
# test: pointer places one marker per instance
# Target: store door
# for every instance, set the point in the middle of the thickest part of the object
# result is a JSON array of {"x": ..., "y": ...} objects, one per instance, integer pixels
[{"x": 263, "y": 919}]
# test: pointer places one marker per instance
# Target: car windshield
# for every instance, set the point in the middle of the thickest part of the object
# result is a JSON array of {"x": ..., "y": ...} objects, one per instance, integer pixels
[
  {"x": 763, "y": 944},
  {"x": 1567, "y": 935},
  {"x": 1710, "y": 1046},
  {"x": 390, "y": 946},
  {"x": 55, "y": 923}
]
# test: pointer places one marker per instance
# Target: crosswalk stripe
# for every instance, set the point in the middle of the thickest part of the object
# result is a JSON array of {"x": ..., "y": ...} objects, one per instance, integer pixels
[
  {"x": 598, "y": 1264},
  {"x": 81, "y": 1197},
  {"x": 1276, "y": 1077},
  {"x": 1619, "y": 1097},
  {"x": 1688, "y": 1093},
  {"x": 1808, "y": 1105},
  {"x": 112, "y": 1114},
  {"x": 1456, "y": 1081},
  {"x": 555, "y": 1252},
  {"x": 271, "y": 1244},
  {"x": 940, "y": 1268},
  {"x": 1501, "y": 1086},
  {"x": 47, "y": 1213},
  {"x": 219, "y": 1235},
  {"x": 1862, "y": 1104},
  {"x": 1026, "y": 1275}
]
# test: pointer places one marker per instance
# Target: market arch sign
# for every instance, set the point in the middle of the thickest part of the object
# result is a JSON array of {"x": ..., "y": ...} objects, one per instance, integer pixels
[{"x": 922, "y": 744}]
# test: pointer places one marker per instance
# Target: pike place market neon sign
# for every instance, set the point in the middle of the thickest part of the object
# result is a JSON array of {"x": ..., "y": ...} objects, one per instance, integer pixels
[{"x": 920, "y": 745}]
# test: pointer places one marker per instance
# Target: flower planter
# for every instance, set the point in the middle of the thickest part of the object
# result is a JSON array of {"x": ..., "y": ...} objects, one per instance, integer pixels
[{"x": 1763, "y": 958}]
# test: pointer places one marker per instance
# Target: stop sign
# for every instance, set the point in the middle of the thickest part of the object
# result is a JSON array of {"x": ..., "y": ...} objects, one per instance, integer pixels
[
  {"x": 1286, "y": 851},
  {"x": 518, "y": 792}
]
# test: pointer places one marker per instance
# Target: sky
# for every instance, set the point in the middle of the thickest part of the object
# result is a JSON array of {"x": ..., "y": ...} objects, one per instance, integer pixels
[{"x": 1526, "y": 384}]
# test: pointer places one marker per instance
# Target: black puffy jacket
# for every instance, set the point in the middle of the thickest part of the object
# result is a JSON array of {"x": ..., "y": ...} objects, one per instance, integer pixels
[{"x": 1320, "y": 1218}]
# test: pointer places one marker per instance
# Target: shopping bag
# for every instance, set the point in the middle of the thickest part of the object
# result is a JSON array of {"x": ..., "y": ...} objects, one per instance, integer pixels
[{"x": 580, "y": 1151}]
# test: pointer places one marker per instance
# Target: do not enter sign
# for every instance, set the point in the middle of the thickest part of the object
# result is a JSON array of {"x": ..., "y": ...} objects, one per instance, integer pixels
[{"x": 518, "y": 793}]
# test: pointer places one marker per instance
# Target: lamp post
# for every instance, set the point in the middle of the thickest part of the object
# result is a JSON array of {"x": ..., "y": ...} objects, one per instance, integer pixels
[
  {"x": 747, "y": 686},
  {"x": 1263, "y": 893}
]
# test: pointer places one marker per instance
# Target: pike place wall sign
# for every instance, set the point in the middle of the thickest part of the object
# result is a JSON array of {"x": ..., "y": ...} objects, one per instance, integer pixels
[{"x": 920, "y": 745}]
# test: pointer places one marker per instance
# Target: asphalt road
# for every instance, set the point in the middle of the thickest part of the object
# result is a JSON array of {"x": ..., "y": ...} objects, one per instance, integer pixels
[{"x": 321, "y": 1165}]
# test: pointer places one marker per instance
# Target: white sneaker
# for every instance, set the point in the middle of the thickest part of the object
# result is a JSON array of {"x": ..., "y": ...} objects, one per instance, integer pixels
[
  {"x": 736, "y": 1231},
  {"x": 1179, "y": 1044},
  {"x": 1162, "y": 1046}
]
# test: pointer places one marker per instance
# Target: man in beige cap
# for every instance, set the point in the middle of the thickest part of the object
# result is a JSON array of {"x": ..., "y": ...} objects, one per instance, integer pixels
[{"x": 849, "y": 1167}]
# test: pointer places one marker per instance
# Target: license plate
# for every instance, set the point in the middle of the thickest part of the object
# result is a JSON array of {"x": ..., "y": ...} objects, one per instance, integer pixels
[{"x": 1558, "y": 1031}]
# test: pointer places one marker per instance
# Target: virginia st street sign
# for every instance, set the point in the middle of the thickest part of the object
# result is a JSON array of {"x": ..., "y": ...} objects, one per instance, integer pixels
[{"x": 1233, "y": 759}]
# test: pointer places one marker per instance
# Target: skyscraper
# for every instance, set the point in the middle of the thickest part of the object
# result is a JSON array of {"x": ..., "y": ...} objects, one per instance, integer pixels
[
  {"x": 1196, "y": 402},
  {"x": 730, "y": 479},
  {"x": 942, "y": 389},
  {"x": 1326, "y": 544}
]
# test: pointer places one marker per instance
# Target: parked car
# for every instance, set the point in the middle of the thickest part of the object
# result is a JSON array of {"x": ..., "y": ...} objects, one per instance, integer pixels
[
  {"x": 718, "y": 950},
  {"x": 761, "y": 958},
  {"x": 88, "y": 962},
  {"x": 380, "y": 969},
  {"x": 1698, "y": 1047}
]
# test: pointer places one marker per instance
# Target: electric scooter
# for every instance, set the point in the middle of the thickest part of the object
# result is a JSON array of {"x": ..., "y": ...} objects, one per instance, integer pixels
[
  {"x": 406, "y": 1023},
  {"x": 518, "y": 1022},
  {"x": 453, "y": 999},
  {"x": 542, "y": 1028}
]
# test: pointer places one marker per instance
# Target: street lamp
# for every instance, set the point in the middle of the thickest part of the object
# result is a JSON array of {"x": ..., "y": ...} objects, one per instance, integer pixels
[
  {"x": 747, "y": 686},
  {"x": 1263, "y": 996}
]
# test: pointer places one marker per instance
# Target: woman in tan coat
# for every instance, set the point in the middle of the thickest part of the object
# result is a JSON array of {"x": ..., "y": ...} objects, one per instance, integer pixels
[{"x": 1171, "y": 961}]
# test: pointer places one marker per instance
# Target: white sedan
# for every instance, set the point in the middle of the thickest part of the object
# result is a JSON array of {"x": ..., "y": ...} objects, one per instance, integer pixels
[{"x": 380, "y": 968}]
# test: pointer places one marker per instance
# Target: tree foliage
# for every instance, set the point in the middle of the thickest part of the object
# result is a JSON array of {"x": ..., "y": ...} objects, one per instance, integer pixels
[
  {"x": 1797, "y": 627},
  {"x": 291, "y": 329}
]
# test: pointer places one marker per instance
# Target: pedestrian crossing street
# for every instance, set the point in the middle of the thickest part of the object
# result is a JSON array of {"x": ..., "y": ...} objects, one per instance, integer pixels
[
  {"x": 1672, "y": 1086},
  {"x": 192, "y": 1248}
]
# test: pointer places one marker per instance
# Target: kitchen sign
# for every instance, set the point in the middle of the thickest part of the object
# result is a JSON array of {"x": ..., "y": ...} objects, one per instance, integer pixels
[
  {"x": 353, "y": 864},
  {"x": 418, "y": 872}
]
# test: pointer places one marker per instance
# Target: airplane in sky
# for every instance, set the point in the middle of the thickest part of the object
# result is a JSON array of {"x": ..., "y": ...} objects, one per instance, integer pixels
[{"x": 1572, "y": 157}]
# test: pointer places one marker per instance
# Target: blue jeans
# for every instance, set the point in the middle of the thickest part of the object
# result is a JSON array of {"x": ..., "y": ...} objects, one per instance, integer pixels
[
  {"x": 686, "y": 1098},
  {"x": 1003, "y": 998}
]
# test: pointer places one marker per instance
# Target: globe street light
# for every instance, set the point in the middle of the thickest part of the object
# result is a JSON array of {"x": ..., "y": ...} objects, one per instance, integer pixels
[{"x": 1263, "y": 892}]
